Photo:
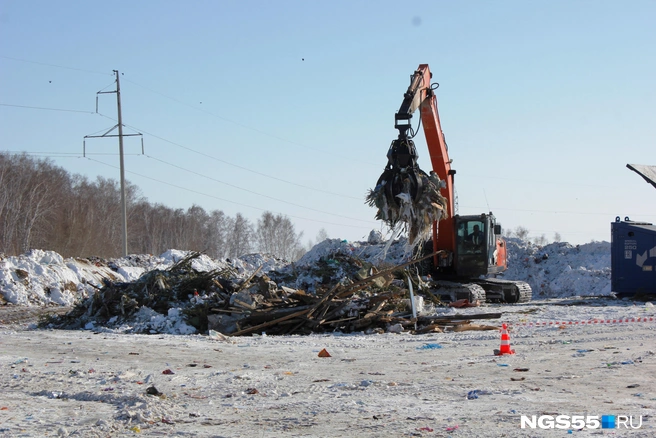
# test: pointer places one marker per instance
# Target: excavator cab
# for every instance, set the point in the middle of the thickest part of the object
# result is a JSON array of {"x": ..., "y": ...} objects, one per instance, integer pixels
[{"x": 477, "y": 246}]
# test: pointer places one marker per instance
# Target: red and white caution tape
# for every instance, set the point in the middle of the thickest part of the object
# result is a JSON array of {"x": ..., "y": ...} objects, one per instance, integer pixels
[{"x": 589, "y": 322}]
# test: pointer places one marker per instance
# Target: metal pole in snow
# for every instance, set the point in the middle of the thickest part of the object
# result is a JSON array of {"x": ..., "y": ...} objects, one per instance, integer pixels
[{"x": 412, "y": 302}]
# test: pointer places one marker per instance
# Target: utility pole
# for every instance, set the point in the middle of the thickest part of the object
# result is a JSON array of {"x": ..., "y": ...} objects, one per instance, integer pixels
[
  {"x": 124, "y": 207},
  {"x": 120, "y": 151}
]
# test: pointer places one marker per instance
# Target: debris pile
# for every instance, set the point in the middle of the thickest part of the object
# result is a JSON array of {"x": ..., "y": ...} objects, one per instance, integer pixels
[{"x": 348, "y": 294}]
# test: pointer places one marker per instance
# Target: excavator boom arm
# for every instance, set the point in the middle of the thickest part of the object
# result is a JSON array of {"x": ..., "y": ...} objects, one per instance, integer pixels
[{"x": 420, "y": 95}]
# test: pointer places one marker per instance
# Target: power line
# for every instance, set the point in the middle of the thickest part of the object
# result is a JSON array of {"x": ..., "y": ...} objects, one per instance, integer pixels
[
  {"x": 48, "y": 109},
  {"x": 190, "y": 106},
  {"x": 253, "y": 192},
  {"x": 55, "y": 65},
  {"x": 591, "y": 213},
  {"x": 235, "y": 165},
  {"x": 561, "y": 182},
  {"x": 259, "y": 131},
  {"x": 202, "y": 110},
  {"x": 62, "y": 154},
  {"x": 227, "y": 200}
]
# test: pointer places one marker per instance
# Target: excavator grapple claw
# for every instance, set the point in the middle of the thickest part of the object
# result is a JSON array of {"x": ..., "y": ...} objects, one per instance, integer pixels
[{"x": 405, "y": 194}]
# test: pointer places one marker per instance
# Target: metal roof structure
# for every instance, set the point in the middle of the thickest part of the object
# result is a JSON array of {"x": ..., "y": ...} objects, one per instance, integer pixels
[{"x": 647, "y": 172}]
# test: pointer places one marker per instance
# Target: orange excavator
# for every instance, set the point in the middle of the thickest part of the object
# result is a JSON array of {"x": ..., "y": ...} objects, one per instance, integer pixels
[{"x": 470, "y": 250}]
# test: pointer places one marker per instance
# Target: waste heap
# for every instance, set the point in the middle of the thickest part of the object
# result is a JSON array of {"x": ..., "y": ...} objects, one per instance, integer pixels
[{"x": 350, "y": 295}]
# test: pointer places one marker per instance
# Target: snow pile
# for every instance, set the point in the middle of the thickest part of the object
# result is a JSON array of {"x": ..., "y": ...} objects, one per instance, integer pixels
[
  {"x": 556, "y": 270},
  {"x": 333, "y": 260},
  {"x": 45, "y": 278},
  {"x": 39, "y": 278},
  {"x": 560, "y": 270},
  {"x": 146, "y": 320},
  {"x": 251, "y": 262}
]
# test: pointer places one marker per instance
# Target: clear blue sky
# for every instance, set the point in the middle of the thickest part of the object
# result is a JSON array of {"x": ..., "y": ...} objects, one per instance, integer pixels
[{"x": 288, "y": 106}]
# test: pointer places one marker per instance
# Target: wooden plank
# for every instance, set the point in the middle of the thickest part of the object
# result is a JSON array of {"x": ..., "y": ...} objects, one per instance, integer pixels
[
  {"x": 248, "y": 280},
  {"x": 268, "y": 324},
  {"x": 457, "y": 317}
]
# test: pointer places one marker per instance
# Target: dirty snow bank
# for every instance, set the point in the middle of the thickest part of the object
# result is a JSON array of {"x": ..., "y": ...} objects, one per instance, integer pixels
[
  {"x": 557, "y": 270},
  {"x": 560, "y": 270},
  {"x": 45, "y": 278}
]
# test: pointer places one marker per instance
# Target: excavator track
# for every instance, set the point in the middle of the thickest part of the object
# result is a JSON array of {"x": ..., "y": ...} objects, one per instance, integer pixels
[
  {"x": 506, "y": 291},
  {"x": 458, "y": 291}
]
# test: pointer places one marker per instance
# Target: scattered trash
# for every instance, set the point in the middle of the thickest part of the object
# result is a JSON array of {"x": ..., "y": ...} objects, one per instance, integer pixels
[
  {"x": 424, "y": 429},
  {"x": 521, "y": 369},
  {"x": 464, "y": 303},
  {"x": 167, "y": 371},
  {"x": 324, "y": 353},
  {"x": 517, "y": 379},
  {"x": 429, "y": 347},
  {"x": 451, "y": 428},
  {"x": 213, "y": 334},
  {"x": 472, "y": 395},
  {"x": 635, "y": 385},
  {"x": 151, "y": 390}
]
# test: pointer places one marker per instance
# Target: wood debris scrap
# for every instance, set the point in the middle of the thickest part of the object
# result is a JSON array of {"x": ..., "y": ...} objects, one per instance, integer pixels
[{"x": 363, "y": 299}]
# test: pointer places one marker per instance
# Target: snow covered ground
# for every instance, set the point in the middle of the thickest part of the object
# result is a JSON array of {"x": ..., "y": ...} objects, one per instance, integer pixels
[
  {"x": 90, "y": 383},
  {"x": 573, "y": 356}
]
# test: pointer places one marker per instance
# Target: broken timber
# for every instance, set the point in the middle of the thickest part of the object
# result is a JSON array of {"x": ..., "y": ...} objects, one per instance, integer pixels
[{"x": 317, "y": 314}]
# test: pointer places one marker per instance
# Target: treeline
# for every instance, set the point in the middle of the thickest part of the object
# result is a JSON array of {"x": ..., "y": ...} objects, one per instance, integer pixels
[{"x": 43, "y": 206}]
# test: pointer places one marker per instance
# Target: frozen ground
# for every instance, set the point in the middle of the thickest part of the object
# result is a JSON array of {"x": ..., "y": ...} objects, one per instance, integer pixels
[
  {"x": 97, "y": 384},
  {"x": 573, "y": 356}
]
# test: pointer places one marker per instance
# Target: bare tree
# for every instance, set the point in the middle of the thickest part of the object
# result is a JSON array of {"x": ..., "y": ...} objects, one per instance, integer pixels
[
  {"x": 217, "y": 230},
  {"x": 276, "y": 235},
  {"x": 28, "y": 200},
  {"x": 322, "y": 235},
  {"x": 240, "y": 237},
  {"x": 521, "y": 232},
  {"x": 41, "y": 204},
  {"x": 542, "y": 240},
  {"x": 557, "y": 237},
  {"x": 196, "y": 229}
]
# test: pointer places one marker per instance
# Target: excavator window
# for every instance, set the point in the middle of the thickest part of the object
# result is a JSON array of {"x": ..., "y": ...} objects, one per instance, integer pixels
[{"x": 471, "y": 237}]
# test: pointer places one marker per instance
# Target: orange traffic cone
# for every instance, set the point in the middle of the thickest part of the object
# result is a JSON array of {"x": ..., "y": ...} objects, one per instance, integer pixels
[{"x": 505, "y": 342}]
